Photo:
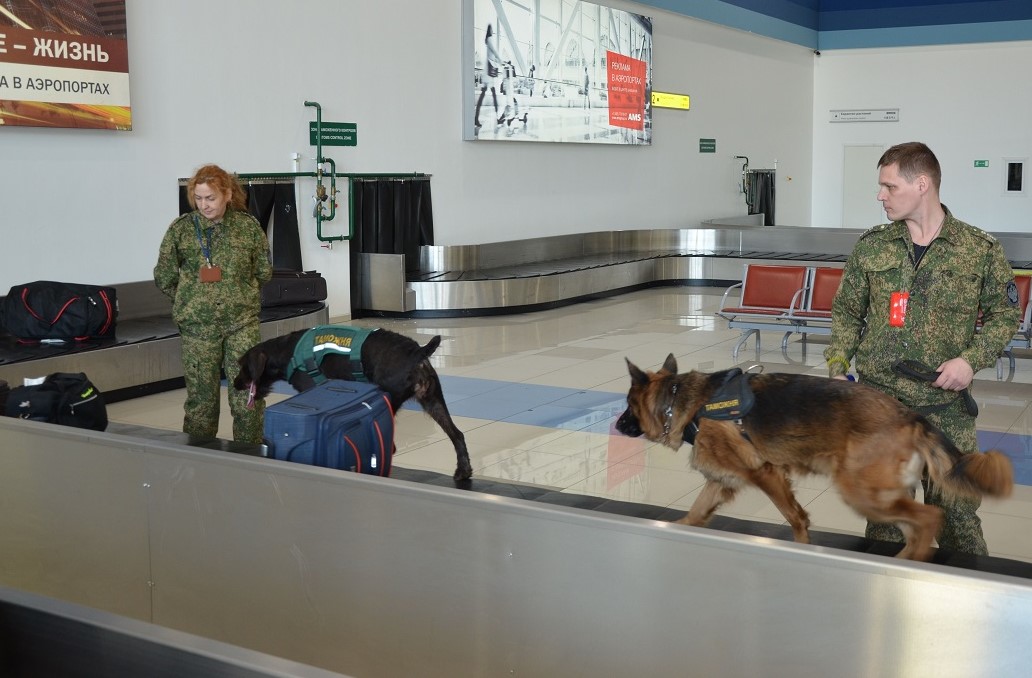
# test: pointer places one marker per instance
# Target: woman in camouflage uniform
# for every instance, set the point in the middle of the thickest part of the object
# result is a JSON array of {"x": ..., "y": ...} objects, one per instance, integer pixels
[
  {"x": 913, "y": 290},
  {"x": 212, "y": 263}
]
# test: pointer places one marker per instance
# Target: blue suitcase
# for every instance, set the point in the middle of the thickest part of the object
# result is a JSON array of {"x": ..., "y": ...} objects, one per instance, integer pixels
[{"x": 339, "y": 424}]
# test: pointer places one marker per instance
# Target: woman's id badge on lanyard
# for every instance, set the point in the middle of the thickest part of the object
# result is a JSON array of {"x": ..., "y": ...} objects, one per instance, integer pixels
[
  {"x": 898, "y": 308},
  {"x": 210, "y": 274}
]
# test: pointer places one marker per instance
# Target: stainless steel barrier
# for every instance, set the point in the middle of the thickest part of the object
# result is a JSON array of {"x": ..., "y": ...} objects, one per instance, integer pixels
[
  {"x": 380, "y": 577},
  {"x": 45, "y": 637},
  {"x": 538, "y": 272}
]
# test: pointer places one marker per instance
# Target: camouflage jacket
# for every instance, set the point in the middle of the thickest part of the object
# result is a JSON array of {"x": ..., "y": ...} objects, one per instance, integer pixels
[
  {"x": 962, "y": 273},
  {"x": 239, "y": 247}
]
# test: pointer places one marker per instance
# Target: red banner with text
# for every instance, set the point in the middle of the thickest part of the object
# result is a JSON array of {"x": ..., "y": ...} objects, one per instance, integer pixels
[
  {"x": 626, "y": 85},
  {"x": 65, "y": 63}
]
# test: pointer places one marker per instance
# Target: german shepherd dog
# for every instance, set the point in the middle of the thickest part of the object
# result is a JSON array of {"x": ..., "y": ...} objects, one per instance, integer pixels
[
  {"x": 392, "y": 361},
  {"x": 873, "y": 447}
]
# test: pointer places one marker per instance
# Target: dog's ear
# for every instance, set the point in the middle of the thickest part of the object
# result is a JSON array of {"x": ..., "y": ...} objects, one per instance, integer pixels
[
  {"x": 252, "y": 365},
  {"x": 258, "y": 365},
  {"x": 670, "y": 364},
  {"x": 637, "y": 376}
]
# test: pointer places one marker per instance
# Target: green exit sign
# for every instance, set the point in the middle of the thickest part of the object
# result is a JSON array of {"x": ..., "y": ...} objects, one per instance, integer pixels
[
  {"x": 335, "y": 134},
  {"x": 707, "y": 145},
  {"x": 981, "y": 163}
]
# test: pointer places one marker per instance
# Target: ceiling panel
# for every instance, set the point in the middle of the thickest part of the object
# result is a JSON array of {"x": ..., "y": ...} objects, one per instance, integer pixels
[{"x": 830, "y": 24}]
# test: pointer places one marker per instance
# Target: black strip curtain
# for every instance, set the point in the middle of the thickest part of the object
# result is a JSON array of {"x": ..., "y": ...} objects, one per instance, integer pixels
[
  {"x": 760, "y": 196},
  {"x": 392, "y": 216},
  {"x": 274, "y": 205}
]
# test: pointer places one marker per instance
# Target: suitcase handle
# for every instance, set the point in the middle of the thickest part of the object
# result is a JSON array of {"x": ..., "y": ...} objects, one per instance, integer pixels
[
  {"x": 301, "y": 406},
  {"x": 311, "y": 408}
]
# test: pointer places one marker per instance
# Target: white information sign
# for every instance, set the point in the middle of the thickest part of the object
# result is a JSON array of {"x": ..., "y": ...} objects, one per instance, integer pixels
[{"x": 865, "y": 115}]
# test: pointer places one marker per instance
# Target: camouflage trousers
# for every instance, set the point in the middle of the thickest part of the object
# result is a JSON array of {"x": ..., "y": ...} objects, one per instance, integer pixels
[
  {"x": 202, "y": 360},
  {"x": 961, "y": 528}
]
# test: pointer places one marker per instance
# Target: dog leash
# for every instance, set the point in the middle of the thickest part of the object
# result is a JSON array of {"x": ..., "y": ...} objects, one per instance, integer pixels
[{"x": 915, "y": 369}]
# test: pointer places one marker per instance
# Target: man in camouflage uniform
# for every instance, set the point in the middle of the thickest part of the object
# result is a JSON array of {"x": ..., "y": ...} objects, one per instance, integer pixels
[
  {"x": 939, "y": 273},
  {"x": 212, "y": 263}
]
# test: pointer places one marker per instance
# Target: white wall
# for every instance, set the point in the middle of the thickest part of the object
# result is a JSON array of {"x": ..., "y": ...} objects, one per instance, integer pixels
[
  {"x": 967, "y": 102},
  {"x": 225, "y": 82}
]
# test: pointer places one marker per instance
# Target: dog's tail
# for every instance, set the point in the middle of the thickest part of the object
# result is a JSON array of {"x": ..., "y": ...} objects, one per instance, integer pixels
[
  {"x": 431, "y": 346},
  {"x": 956, "y": 473}
]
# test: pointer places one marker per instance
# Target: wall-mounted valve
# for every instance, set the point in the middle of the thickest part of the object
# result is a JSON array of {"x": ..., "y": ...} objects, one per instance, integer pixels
[{"x": 320, "y": 198}]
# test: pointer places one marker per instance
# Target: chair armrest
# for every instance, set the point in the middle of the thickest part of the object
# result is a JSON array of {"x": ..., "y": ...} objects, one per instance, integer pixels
[
  {"x": 723, "y": 299},
  {"x": 797, "y": 298}
]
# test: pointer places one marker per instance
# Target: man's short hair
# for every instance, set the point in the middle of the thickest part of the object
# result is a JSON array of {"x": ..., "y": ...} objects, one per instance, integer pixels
[{"x": 913, "y": 159}]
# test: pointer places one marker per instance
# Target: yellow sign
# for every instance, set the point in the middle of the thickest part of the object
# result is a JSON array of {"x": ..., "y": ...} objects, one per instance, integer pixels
[{"x": 666, "y": 100}]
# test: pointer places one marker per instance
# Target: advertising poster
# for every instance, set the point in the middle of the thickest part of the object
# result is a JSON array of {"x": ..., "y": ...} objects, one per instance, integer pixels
[
  {"x": 556, "y": 70},
  {"x": 64, "y": 63}
]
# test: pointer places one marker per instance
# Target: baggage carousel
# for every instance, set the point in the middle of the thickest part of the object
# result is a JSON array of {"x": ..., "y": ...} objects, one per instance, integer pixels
[
  {"x": 460, "y": 281},
  {"x": 144, "y": 357},
  {"x": 539, "y": 273},
  {"x": 411, "y": 575}
]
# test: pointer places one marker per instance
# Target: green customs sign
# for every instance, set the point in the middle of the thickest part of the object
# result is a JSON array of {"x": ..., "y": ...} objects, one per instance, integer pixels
[{"x": 335, "y": 134}]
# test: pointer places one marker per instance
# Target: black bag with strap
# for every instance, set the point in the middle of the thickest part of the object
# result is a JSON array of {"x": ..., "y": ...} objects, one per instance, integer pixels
[
  {"x": 55, "y": 310},
  {"x": 293, "y": 287},
  {"x": 66, "y": 398}
]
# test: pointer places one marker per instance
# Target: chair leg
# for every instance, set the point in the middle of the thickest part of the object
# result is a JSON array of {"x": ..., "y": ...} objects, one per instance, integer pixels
[
  {"x": 784, "y": 342},
  {"x": 741, "y": 342},
  {"x": 1011, "y": 366}
]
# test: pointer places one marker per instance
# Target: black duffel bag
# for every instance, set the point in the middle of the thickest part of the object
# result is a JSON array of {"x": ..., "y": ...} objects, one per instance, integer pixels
[
  {"x": 293, "y": 287},
  {"x": 56, "y": 310},
  {"x": 67, "y": 398}
]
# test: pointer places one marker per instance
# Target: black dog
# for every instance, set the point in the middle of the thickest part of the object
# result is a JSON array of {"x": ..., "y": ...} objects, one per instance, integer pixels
[{"x": 394, "y": 362}]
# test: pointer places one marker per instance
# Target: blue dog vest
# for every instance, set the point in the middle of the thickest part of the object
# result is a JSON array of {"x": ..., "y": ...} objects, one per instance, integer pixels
[{"x": 323, "y": 340}]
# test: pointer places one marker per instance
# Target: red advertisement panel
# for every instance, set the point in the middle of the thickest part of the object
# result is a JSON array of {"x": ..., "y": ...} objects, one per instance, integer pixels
[
  {"x": 627, "y": 77},
  {"x": 64, "y": 63},
  {"x": 556, "y": 71}
]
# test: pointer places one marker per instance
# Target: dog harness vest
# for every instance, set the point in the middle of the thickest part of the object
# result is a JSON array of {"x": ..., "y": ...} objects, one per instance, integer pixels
[
  {"x": 732, "y": 400},
  {"x": 323, "y": 340}
]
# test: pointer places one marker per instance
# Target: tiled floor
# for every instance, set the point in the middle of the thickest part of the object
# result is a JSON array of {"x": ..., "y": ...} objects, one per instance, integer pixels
[{"x": 537, "y": 394}]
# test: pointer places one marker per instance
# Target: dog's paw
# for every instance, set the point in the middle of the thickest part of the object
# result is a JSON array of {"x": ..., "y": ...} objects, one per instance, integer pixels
[{"x": 463, "y": 472}]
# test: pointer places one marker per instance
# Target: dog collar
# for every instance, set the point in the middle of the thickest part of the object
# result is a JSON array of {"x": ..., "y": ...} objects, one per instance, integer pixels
[{"x": 668, "y": 413}]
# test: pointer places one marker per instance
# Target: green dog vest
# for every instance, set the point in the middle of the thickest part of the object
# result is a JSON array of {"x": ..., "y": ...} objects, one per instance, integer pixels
[{"x": 323, "y": 340}]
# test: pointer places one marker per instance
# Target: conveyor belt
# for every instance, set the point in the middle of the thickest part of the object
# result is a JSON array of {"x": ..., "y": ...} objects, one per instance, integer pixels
[
  {"x": 539, "y": 273},
  {"x": 846, "y": 542},
  {"x": 989, "y": 564},
  {"x": 144, "y": 356}
]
